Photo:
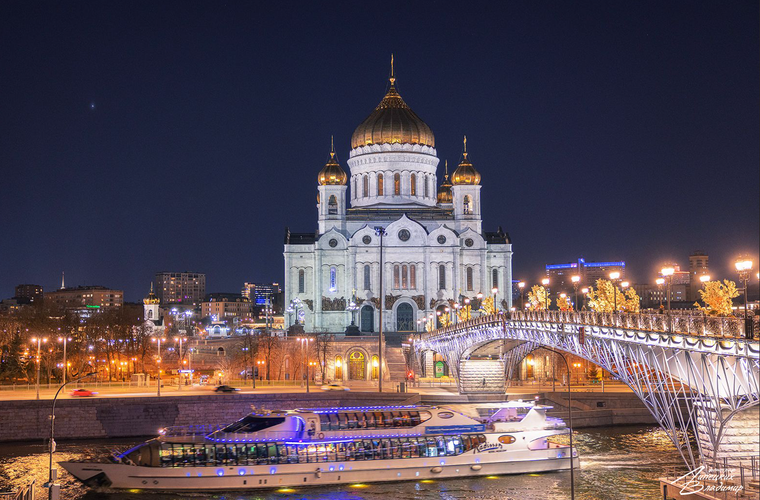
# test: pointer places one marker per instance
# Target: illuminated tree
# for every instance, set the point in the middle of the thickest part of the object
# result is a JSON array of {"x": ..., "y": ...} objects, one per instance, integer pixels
[
  {"x": 537, "y": 298},
  {"x": 604, "y": 297},
  {"x": 430, "y": 325},
  {"x": 444, "y": 319},
  {"x": 465, "y": 312},
  {"x": 564, "y": 304},
  {"x": 631, "y": 302},
  {"x": 717, "y": 298},
  {"x": 486, "y": 307}
]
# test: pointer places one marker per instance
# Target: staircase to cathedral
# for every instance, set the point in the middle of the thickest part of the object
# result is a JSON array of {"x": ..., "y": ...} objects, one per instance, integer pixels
[{"x": 396, "y": 363}]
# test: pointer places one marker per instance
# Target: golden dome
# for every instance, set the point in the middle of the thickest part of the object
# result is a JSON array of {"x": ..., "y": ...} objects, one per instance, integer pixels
[
  {"x": 444, "y": 192},
  {"x": 151, "y": 298},
  {"x": 392, "y": 122},
  {"x": 465, "y": 172},
  {"x": 332, "y": 173}
]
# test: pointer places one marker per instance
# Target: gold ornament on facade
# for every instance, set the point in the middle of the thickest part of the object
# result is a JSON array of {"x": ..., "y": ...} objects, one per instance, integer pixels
[
  {"x": 392, "y": 122},
  {"x": 332, "y": 173},
  {"x": 465, "y": 172}
]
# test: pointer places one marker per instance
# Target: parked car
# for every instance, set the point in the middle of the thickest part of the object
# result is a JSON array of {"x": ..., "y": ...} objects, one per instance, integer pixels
[
  {"x": 334, "y": 386},
  {"x": 226, "y": 388},
  {"x": 83, "y": 393}
]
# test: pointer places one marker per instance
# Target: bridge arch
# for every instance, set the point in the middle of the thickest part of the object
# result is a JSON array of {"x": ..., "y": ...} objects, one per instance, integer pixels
[{"x": 698, "y": 363}]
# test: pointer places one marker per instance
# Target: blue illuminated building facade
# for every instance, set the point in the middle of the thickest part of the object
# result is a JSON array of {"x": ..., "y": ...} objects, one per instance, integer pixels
[{"x": 560, "y": 274}]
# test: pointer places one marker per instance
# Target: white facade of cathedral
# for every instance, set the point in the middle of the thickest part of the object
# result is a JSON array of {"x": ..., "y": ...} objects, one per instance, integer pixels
[{"x": 434, "y": 253}]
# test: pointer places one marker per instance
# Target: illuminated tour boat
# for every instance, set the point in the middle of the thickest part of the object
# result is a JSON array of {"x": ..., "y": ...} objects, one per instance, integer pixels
[{"x": 342, "y": 445}]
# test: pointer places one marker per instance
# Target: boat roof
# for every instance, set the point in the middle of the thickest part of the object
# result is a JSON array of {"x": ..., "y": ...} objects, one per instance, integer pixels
[{"x": 341, "y": 409}]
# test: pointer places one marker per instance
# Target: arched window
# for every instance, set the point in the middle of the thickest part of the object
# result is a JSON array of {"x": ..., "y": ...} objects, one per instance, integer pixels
[
  {"x": 150, "y": 313},
  {"x": 332, "y": 205},
  {"x": 441, "y": 277},
  {"x": 425, "y": 180},
  {"x": 365, "y": 182},
  {"x": 380, "y": 185},
  {"x": 468, "y": 272},
  {"x": 396, "y": 184},
  {"x": 396, "y": 280},
  {"x": 495, "y": 278},
  {"x": 333, "y": 279},
  {"x": 413, "y": 185},
  {"x": 367, "y": 281},
  {"x": 375, "y": 367},
  {"x": 301, "y": 281},
  {"x": 404, "y": 282},
  {"x": 413, "y": 277},
  {"x": 338, "y": 368},
  {"x": 353, "y": 191},
  {"x": 466, "y": 205}
]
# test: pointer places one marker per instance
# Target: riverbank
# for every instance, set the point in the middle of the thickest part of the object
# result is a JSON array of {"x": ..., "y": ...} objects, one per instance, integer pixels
[{"x": 142, "y": 416}]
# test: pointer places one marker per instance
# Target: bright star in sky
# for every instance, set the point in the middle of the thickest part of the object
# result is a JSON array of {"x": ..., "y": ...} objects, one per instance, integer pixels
[{"x": 92, "y": 105}]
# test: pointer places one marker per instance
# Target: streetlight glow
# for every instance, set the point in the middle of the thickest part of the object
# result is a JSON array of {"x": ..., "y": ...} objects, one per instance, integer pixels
[
  {"x": 614, "y": 275},
  {"x": 704, "y": 278}
]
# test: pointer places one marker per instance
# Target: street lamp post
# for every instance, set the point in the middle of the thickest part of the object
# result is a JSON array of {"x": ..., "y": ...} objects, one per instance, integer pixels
[
  {"x": 545, "y": 282},
  {"x": 39, "y": 341},
  {"x": 53, "y": 473},
  {"x": 521, "y": 286},
  {"x": 380, "y": 231},
  {"x": 660, "y": 282},
  {"x": 158, "y": 362},
  {"x": 494, "y": 291},
  {"x": 179, "y": 370},
  {"x": 614, "y": 276},
  {"x": 576, "y": 281},
  {"x": 744, "y": 267},
  {"x": 569, "y": 417},
  {"x": 624, "y": 286},
  {"x": 668, "y": 273},
  {"x": 65, "y": 340},
  {"x": 584, "y": 291}
]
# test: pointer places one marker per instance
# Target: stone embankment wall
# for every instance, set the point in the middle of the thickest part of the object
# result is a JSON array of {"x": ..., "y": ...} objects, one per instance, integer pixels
[
  {"x": 595, "y": 409},
  {"x": 137, "y": 417}
]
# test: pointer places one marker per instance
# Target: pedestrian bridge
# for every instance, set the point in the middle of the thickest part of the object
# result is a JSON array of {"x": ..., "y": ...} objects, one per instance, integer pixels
[{"x": 697, "y": 375}]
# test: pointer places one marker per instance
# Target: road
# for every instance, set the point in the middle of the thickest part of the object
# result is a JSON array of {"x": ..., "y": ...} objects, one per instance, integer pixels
[{"x": 126, "y": 391}]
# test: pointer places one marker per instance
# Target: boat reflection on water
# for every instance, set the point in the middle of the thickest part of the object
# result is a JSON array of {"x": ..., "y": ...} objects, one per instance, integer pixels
[{"x": 616, "y": 462}]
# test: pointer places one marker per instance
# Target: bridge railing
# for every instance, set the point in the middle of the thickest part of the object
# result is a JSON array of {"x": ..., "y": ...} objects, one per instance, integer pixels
[{"x": 674, "y": 323}]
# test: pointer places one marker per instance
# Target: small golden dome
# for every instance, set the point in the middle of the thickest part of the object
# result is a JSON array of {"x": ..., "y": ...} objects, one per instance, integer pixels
[
  {"x": 392, "y": 122},
  {"x": 332, "y": 173},
  {"x": 465, "y": 172},
  {"x": 151, "y": 298},
  {"x": 444, "y": 191}
]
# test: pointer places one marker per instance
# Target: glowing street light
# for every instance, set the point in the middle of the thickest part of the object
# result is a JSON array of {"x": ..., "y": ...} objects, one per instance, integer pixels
[
  {"x": 660, "y": 282},
  {"x": 65, "y": 340},
  {"x": 158, "y": 362},
  {"x": 667, "y": 272},
  {"x": 704, "y": 278},
  {"x": 576, "y": 281},
  {"x": 744, "y": 268},
  {"x": 546, "y": 282},
  {"x": 521, "y": 286},
  {"x": 494, "y": 291},
  {"x": 39, "y": 341}
]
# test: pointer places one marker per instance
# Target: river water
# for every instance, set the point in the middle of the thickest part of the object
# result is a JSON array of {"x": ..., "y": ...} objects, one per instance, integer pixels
[{"x": 616, "y": 463}]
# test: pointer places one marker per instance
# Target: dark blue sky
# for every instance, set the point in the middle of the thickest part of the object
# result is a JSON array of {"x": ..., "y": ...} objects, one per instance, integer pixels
[{"x": 145, "y": 136}]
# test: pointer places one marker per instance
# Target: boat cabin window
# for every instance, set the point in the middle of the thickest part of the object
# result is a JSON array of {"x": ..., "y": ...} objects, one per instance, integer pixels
[
  {"x": 371, "y": 420},
  {"x": 209, "y": 455},
  {"x": 253, "y": 424}
]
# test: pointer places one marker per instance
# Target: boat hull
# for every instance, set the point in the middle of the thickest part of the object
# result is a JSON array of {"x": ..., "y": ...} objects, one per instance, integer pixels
[{"x": 122, "y": 476}]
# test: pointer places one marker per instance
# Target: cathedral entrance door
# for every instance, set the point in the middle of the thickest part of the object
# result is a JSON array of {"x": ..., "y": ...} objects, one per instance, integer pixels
[
  {"x": 357, "y": 366},
  {"x": 405, "y": 318},
  {"x": 367, "y": 319}
]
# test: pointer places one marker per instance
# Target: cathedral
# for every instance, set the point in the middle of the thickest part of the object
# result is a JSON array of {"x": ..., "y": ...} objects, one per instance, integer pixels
[{"x": 390, "y": 211}]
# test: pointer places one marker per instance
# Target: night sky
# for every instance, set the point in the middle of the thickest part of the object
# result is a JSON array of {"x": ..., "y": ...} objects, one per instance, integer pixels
[{"x": 138, "y": 137}]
